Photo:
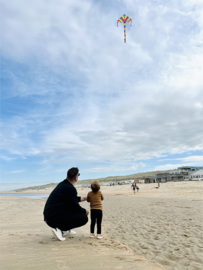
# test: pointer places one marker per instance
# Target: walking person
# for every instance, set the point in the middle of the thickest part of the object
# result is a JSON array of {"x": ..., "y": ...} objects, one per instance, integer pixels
[
  {"x": 95, "y": 197},
  {"x": 133, "y": 187},
  {"x": 62, "y": 211}
]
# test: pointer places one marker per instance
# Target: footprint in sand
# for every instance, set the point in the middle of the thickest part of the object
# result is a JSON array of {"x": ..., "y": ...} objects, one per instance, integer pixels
[
  {"x": 143, "y": 247},
  {"x": 120, "y": 258}
]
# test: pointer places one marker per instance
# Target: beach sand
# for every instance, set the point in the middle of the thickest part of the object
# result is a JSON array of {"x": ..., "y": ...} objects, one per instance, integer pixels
[{"x": 152, "y": 229}]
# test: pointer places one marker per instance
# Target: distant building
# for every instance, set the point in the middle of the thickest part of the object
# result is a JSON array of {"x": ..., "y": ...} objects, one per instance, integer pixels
[
  {"x": 166, "y": 177},
  {"x": 197, "y": 175},
  {"x": 180, "y": 176},
  {"x": 139, "y": 181},
  {"x": 149, "y": 180},
  {"x": 179, "y": 172},
  {"x": 136, "y": 181},
  {"x": 189, "y": 168}
]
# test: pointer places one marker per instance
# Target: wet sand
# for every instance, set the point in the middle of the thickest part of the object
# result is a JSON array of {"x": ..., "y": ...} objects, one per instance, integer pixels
[{"x": 153, "y": 229}]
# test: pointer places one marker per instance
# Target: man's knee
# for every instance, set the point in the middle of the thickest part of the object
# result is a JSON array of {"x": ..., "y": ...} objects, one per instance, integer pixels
[
  {"x": 85, "y": 219},
  {"x": 77, "y": 220}
]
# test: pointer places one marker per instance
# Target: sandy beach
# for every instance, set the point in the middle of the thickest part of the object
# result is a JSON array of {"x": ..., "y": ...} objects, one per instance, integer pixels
[{"x": 152, "y": 229}]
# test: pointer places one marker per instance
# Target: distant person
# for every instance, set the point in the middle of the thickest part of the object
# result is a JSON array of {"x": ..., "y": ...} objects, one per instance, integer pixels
[
  {"x": 95, "y": 198},
  {"x": 62, "y": 211},
  {"x": 137, "y": 188},
  {"x": 133, "y": 187}
]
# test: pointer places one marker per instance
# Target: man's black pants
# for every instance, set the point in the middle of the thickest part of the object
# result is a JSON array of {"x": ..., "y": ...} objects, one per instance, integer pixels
[
  {"x": 68, "y": 221},
  {"x": 96, "y": 217}
]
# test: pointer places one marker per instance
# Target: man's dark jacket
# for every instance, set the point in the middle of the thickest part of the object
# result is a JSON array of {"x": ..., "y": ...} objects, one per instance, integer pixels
[{"x": 62, "y": 201}]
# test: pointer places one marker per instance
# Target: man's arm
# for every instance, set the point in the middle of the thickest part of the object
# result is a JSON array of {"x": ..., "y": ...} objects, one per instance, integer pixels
[
  {"x": 82, "y": 199},
  {"x": 73, "y": 201}
]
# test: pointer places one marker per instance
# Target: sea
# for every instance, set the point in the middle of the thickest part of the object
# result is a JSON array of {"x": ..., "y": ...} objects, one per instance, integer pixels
[{"x": 30, "y": 196}]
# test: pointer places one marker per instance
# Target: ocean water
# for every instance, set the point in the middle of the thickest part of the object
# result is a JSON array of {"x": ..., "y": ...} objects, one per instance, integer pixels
[{"x": 30, "y": 196}]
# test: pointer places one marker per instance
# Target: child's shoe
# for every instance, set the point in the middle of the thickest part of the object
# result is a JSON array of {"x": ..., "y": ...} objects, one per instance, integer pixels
[
  {"x": 99, "y": 236},
  {"x": 92, "y": 235}
]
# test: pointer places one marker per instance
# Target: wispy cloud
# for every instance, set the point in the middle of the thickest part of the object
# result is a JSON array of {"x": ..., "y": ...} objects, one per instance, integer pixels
[
  {"x": 187, "y": 159},
  {"x": 19, "y": 171},
  {"x": 179, "y": 162},
  {"x": 7, "y": 158},
  {"x": 114, "y": 168}
]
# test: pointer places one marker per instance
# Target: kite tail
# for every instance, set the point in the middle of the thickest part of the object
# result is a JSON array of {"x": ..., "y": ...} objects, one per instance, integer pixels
[
  {"x": 124, "y": 32},
  {"x": 131, "y": 23}
]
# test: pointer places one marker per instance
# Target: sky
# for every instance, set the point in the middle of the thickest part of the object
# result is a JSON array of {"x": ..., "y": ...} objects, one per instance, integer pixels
[{"x": 73, "y": 94}]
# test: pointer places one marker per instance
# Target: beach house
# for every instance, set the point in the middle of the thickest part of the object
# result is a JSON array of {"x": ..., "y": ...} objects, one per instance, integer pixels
[{"x": 196, "y": 176}]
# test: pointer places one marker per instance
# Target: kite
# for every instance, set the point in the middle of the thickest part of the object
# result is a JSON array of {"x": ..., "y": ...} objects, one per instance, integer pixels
[{"x": 123, "y": 19}]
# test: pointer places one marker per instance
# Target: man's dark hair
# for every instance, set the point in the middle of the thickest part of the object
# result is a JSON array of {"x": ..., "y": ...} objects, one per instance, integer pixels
[
  {"x": 95, "y": 186},
  {"x": 72, "y": 173}
]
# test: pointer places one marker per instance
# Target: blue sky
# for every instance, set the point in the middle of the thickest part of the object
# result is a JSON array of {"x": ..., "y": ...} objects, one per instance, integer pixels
[{"x": 74, "y": 94}]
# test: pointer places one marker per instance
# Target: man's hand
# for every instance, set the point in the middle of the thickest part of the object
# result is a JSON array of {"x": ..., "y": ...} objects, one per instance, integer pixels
[
  {"x": 87, "y": 212},
  {"x": 82, "y": 199}
]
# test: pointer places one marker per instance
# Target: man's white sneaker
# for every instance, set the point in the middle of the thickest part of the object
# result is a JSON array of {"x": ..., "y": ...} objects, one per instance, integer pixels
[
  {"x": 58, "y": 234},
  {"x": 68, "y": 232}
]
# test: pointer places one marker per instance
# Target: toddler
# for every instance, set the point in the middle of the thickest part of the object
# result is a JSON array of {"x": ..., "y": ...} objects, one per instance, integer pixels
[{"x": 95, "y": 197}]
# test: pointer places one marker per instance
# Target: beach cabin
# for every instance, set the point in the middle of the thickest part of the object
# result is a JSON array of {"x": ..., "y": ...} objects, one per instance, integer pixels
[
  {"x": 136, "y": 181},
  {"x": 172, "y": 176},
  {"x": 186, "y": 178},
  {"x": 197, "y": 175},
  {"x": 149, "y": 180},
  {"x": 141, "y": 181},
  {"x": 162, "y": 177}
]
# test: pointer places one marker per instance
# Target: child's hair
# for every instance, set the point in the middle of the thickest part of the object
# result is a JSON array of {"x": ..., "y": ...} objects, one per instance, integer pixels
[{"x": 95, "y": 186}]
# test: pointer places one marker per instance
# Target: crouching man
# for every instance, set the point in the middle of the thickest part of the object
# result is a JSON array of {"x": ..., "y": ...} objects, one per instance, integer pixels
[{"x": 62, "y": 211}]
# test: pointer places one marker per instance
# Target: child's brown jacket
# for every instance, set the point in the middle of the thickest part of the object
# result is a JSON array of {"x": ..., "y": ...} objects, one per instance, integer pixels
[{"x": 95, "y": 199}]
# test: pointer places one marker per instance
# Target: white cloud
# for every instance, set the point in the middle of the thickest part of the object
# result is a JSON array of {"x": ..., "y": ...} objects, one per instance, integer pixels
[
  {"x": 185, "y": 161},
  {"x": 18, "y": 171},
  {"x": 7, "y": 158},
  {"x": 114, "y": 168},
  {"x": 167, "y": 167},
  {"x": 193, "y": 159},
  {"x": 188, "y": 159}
]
